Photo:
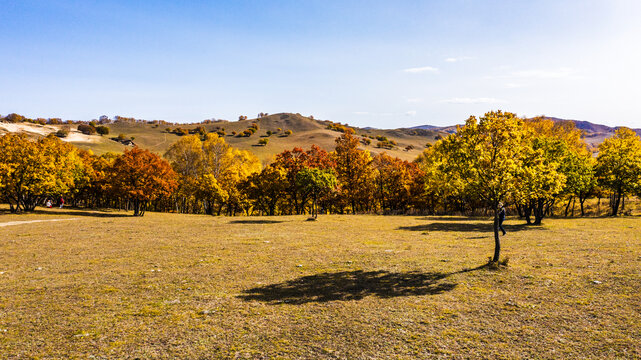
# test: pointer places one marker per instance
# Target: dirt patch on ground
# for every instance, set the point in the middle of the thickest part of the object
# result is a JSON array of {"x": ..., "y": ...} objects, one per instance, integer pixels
[{"x": 10, "y": 223}]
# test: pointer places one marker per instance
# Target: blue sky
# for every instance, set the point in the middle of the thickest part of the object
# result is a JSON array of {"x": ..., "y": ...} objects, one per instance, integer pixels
[{"x": 368, "y": 63}]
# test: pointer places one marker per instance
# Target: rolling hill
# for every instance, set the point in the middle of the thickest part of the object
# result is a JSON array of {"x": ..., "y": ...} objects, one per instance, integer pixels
[{"x": 306, "y": 131}]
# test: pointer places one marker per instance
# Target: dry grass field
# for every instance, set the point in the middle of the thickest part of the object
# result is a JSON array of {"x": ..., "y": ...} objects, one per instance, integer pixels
[{"x": 107, "y": 285}]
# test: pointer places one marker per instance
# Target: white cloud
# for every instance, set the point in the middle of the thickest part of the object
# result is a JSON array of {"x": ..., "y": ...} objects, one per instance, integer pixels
[
  {"x": 414, "y": 100},
  {"x": 421, "y": 70},
  {"x": 410, "y": 113},
  {"x": 514, "y": 85},
  {"x": 361, "y": 113},
  {"x": 456, "y": 59},
  {"x": 479, "y": 100}
]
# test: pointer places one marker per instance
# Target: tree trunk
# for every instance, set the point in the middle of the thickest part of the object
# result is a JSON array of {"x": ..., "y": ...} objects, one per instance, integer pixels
[
  {"x": 538, "y": 211},
  {"x": 567, "y": 207},
  {"x": 615, "y": 203},
  {"x": 136, "y": 208},
  {"x": 581, "y": 201},
  {"x": 314, "y": 208},
  {"x": 497, "y": 241},
  {"x": 519, "y": 210},
  {"x": 527, "y": 212},
  {"x": 573, "y": 205}
]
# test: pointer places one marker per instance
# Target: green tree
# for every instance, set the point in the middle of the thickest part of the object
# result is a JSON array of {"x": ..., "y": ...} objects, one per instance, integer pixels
[
  {"x": 102, "y": 130},
  {"x": 316, "y": 183}
]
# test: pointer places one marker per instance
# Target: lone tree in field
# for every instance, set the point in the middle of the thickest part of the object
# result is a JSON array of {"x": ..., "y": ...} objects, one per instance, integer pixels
[
  {"x": 316, "y": 183},
  {"x": 142, "y": 176},
  {"x": 488, "y": 157},
  {"x": 618, "y": 165}
]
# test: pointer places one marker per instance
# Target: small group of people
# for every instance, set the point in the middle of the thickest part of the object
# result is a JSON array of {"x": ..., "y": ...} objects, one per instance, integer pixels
[{"x": 49, "y": 203}]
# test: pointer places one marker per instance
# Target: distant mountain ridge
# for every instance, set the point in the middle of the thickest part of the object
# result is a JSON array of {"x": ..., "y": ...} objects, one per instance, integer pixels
[{"x": 591, "y": 129}]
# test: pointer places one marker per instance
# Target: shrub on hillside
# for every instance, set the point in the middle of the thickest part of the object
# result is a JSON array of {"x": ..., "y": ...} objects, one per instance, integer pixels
[
  {"x": 86, "y": 129},
  {"x": 62, "y": 133},
  {"x": 14, "y": 118},
  {"x": 102, "y": 130}
]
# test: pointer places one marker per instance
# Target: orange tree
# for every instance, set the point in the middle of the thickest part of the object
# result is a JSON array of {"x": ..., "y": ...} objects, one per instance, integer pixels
[
  {"x": 141, "y": 176},
  {"x": 354, "y": 173},
  {"x": 393, "y": 182}
]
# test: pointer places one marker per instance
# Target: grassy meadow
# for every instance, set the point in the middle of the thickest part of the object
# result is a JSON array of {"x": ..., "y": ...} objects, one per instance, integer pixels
[{"x": 107, "y": 285}]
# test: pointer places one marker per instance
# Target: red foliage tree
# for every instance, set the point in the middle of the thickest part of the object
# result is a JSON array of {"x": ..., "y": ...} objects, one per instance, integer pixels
[{"x": 142, "y": 176}]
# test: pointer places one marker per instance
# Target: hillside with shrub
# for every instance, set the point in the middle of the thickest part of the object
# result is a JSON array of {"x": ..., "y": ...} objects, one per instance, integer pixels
[{"x": 265, "y": 135}]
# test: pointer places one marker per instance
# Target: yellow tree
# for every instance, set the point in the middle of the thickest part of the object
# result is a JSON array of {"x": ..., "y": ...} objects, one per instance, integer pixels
[
  {"x": 30, "y": 171},
  {"x": 488, "y": 155},
  {"x": 618, "y": 165},
  {"x": 440, "y": 185},
  {"x": 561, "y": 146},
  {"x": 229, "y": 166},
  {"x": 187, "y": 161},
  {"x": 540, "y": 181},
  {"x": 199, "y": 163}
]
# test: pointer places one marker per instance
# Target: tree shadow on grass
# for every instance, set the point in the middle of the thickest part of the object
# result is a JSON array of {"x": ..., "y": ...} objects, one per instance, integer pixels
[
  {"x": 447, "y": 218},
  {"x": 91, "y": 213},
  {"x": 350, "y": 285},
  {"x": 466, "y": 227},
  {"x": 256, "y": 221}
]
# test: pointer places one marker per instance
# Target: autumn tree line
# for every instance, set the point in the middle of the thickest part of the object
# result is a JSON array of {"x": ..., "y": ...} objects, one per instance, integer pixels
[{"x": 528, "y": 164}]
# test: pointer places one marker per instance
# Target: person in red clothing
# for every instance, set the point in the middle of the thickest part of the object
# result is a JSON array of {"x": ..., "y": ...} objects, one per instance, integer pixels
[{"x": 62, "y": 202}]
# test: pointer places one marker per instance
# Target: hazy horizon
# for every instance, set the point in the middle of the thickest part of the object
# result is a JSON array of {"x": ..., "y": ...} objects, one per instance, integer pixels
[{"x": 377, "y": 64}]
